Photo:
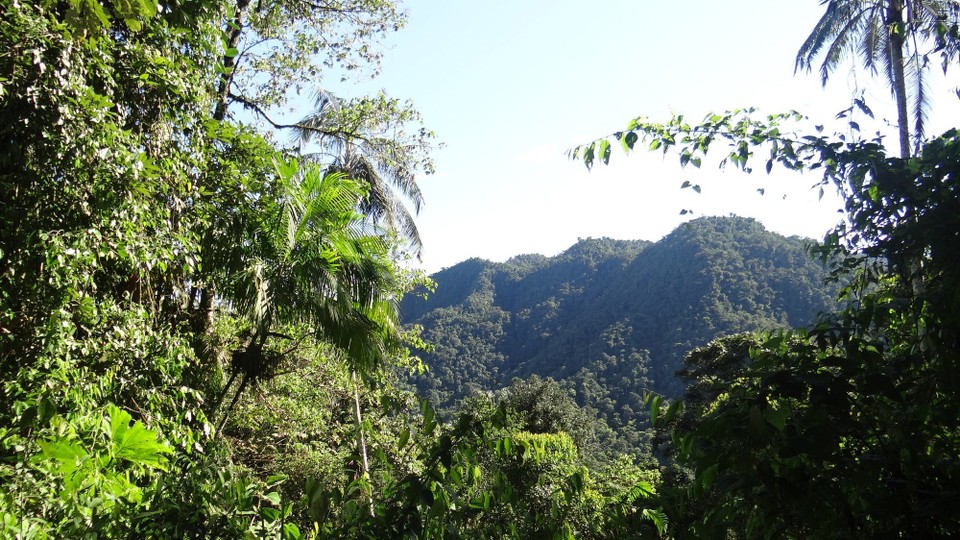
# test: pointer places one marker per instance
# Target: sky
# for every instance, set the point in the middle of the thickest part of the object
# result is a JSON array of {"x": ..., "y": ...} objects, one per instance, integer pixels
[{"x": 509, "y": 86}]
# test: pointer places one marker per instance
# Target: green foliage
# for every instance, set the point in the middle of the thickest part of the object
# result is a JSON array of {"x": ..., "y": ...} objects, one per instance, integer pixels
[
  {"x": 485, "y": 477},
  {"x": 130, "y": 208},
  {"x": 369, "y": 142},
  {"x": 156, "y": 255},
  {"x": 611, "y": 320},
  {"x": 300, "y": 426},
  {"x": 96, "y": 476},
  {"x": 848, "y": 428},
  {"x": 542, "y": 406}
]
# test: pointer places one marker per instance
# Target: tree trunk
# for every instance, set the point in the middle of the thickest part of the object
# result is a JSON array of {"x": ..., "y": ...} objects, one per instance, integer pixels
[
  {"x": 201, "y": 321},
  {"x": 362, "y": 440},
  {"x": 896, "y": 29},
  {"x": 233, "y": 32},
  {"x": 204, "y": 319}
]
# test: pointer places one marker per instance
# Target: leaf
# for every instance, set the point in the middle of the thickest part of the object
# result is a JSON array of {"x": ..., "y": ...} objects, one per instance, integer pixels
[
  {"x": 604, "y": 151},
  {"x": 97, "y": 10},
  {"x": 269, "y": 514},
  {"x": 862, "y": 105},
  {"x": 654, "y": 410},
  {"x": 658, "y": 517},
  {"x": 672, "y": 410},
  {"x": 135, "y": 443},
  {"x": 428, "y": 423},
  {"x": 291, "y": 532},
  {"x": 777, "y": 417},
  {"x": 476, "y": 474},
  {"x": 588, "y": 154},
  {"x": 67, "y": 453},
  {"x": 565, "y": 533},
  {"x": 576, "y": 481},
  {"x": 641, "y": 489},
  {"x": 273, "y": 497},
  {"x": 709, "y": 475}
]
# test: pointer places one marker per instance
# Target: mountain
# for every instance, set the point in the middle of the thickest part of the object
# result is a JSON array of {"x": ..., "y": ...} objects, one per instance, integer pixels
[{"x": 612, "y": 318}]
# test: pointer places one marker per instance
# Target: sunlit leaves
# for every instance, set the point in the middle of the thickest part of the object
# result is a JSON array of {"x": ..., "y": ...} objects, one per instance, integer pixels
[
  {"x": 91, "y": 471},
  {"x": 738, "y": 128},
  {"x": 135, "y": 443},
  {"x": 603, "y": 151}
]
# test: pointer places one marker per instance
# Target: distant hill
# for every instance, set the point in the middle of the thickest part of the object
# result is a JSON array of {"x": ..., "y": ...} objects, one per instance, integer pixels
[{"x": 611, "y": 318}]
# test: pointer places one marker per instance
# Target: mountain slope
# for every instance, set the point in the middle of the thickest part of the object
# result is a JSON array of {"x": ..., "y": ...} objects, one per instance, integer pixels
[{"x": 612, "y": 318}]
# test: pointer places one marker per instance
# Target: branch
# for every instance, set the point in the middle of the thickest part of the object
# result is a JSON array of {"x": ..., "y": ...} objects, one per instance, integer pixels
[
  {"x": 330, "y": 8},
  {"x": 337, "y": 134}
]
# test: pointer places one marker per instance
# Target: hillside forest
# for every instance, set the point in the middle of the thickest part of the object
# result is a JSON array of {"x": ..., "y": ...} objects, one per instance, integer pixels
[
  {"x": 612, "y": 320},
  {"x": 201, "y": 299}
]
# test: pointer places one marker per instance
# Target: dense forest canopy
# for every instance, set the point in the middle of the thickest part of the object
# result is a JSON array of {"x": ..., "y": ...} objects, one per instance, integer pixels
[
  {"x": 612, "y": 319},
  {"x": 199, "y": 306}
]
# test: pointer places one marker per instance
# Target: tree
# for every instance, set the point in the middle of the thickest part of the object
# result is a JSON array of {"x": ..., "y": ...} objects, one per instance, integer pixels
[
  {"x": 306, "y": 261},
  {"x": 485, "y": 476},
  {"x": 126, "y": 188},
  {"x": 102, "y": 138},
  {"x": 272, "y": 46},
  {"x": 860, "y": 409},
  {"x": 884, "y": 34},
  {"x": 366, "y": 140}
]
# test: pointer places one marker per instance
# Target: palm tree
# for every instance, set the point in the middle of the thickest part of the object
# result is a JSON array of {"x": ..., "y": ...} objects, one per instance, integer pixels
[
  {"x": 884, "y": 35},
  {"x": 305, "y": 256},
  {"x": 309, "y": 260},
  {"x": 366, "y": 140}
]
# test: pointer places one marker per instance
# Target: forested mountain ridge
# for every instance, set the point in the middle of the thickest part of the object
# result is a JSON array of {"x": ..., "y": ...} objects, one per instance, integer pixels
[{"x": 611, "y": 318}]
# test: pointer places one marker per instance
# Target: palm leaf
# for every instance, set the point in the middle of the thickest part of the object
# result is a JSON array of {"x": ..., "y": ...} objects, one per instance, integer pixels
[{"x": 360, "y": 140}]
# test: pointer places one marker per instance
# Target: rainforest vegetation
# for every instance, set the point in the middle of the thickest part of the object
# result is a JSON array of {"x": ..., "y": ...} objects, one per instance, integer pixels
[
  {"x": 612, "y": 320},
  {"x": 200, "y": 299}
]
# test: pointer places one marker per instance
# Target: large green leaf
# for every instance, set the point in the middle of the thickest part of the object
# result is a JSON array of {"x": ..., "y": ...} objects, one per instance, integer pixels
[
  {"x": 135, "y": 443},
  {"x": 68, "y": 453}
]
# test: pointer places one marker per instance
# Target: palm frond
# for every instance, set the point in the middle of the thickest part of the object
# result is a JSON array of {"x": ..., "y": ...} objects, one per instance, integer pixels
[
  {"x": 837, "y": 49},
  {"x": 408, "y": 228},
  {"x": 872, "y": 47},
  {"x": 822, "y": 31},
  {"x": 864, "y": 28},
  {"x": 921, "y": 98},
  {"x": 365, "y": 139},
  {"x": 326, "y": 108},
  {"x": 307, "y": 260}
]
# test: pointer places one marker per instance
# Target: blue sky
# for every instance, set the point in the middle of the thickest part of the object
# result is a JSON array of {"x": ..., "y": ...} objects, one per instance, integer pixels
[{"x": 510, "y": 85}]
